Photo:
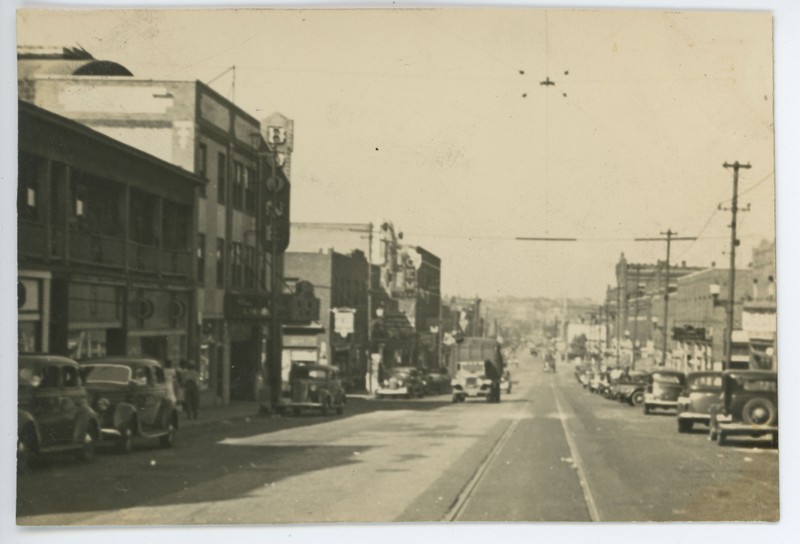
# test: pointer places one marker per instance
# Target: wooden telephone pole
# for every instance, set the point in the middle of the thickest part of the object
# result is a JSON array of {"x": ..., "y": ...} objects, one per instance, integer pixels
[
  {"x": 670, "y": 237},
  {"x": 732, "y": 274}
]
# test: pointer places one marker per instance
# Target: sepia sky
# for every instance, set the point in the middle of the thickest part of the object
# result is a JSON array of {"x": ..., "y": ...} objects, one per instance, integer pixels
[{"x": 423, "y": 117}]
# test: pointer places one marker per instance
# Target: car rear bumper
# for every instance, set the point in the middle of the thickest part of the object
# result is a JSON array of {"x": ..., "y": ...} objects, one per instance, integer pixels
[
  {"x": 400, "y": 391},
  {"x": 694, "y": 416}
]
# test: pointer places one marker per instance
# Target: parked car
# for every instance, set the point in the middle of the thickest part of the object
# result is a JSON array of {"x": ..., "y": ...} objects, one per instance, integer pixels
[
  {"x": 402, "y": 381},
  {"x": 631, "y": 387},
  {"x": 749, "y": 406},
  {"x": 318, "y": 387},
  {"x": 130, "y": 395},
  {"x": 702, "y": 391},
  {"x": 663, "y": 389},
  {"x": 53, "y": 411},
  {"x": 437, "y": 381}
]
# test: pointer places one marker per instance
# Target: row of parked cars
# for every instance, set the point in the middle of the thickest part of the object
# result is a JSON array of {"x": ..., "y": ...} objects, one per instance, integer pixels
[
  {"x": 728, "y": 403},
  {"x": 65, "y": 406}
]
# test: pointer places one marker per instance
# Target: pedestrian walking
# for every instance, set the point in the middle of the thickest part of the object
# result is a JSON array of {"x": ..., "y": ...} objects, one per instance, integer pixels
[
  {"x": 191, "y": 388},
  {"x": 180, "y": 392},
  {"x": 171, "y": 376}
]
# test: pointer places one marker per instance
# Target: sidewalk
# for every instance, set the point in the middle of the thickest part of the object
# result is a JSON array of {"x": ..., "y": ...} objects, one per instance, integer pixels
[
  {"x": 214, "y": 414},
  {"x": 236, "y": 410}
]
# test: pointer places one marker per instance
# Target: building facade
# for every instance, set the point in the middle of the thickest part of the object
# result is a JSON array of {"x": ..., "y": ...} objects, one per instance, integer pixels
[
  {"x": 243, "y": 206},
  {"x": 106, "y": 238}
]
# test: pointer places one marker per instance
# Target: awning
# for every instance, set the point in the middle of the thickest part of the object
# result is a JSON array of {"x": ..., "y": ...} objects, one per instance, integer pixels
[{"x": 312, "y": 328}]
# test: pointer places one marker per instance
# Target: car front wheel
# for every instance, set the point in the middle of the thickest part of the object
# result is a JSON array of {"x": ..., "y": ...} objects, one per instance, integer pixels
[
  {"x": 168, "y": 440},
  {"x": 86, "y": 452},
  {"x": 759, "y": 411},
  {"x": 125, "y": 441}
]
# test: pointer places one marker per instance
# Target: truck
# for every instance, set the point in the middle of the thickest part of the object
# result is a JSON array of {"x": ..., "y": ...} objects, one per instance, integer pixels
[{"x": 468, "y": 369}]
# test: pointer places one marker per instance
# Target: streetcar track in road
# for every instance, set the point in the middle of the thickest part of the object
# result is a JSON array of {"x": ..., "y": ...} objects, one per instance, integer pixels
[
  {"x": 591, "y": 505},
  {"x": 469, "y": 489}
]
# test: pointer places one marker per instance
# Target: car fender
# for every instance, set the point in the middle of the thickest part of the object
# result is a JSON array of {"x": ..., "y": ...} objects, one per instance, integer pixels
[
  {"x": 123, "y": 414},
  {"x": 85, "y": 419},
  {"x": 25, "y": 419},
  {"x": 167, "y": 411}
]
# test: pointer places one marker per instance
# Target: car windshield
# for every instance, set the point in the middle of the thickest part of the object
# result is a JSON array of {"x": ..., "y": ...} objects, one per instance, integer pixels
[
  {"x": 667, "y": 379},
  {"x": 107, "y": 374},
  {"x": 471, "y": 367},
  {"x": 702, "y": 383}
]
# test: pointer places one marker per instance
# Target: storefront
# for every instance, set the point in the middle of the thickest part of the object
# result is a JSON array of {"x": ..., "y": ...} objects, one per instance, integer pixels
[
  {"x": 33, "y": 311},
  {"x": 247, "y": 317}
]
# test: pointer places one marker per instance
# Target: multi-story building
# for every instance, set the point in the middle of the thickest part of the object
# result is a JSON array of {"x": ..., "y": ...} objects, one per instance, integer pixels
[
  {"x": 340, "y": 284},
  {"x": 242, "y": 208},
  {"x": 759, "y": 315},
  {"x": 106, "y": 244}
]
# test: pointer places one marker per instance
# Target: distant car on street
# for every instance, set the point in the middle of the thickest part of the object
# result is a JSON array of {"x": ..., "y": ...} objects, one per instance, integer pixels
[
  {"x": 470, "y": 381},
  {"x": 53, "y": 411},
  {"x": 402, "y": 381},
  {"x": 749, "y": 406},
  {"x": 701, "y": 393},
  {"x": 663, "y": 389},
  {"x": 130, "y": 396},
  {"x": 317, "y": 387}
]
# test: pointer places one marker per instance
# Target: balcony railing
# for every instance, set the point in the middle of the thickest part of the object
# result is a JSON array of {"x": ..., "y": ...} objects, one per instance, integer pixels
[
  {"x": 96, "y": 249},
  {"x": 99, "y": 250}
]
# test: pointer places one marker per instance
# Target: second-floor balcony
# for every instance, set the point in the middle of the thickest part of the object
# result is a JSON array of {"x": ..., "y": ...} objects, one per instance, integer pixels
[{"x": 97, "y": 250}]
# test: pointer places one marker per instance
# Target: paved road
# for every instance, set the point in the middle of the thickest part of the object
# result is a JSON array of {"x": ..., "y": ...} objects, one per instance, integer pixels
[{"x": 549, "y": 452}]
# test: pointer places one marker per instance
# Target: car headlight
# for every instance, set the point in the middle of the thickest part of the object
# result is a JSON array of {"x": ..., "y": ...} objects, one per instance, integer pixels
[
  {"x": 385, "y": 383},
  {"x": 102, "y": 404},
  {"x": 312, "y": 388},
  {"x": 399, "y": 383},
  {"x": 486, "y": 382}
]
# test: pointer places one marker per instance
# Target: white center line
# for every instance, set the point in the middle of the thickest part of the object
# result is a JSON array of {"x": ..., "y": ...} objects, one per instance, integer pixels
[{"x": 587, "y": 493}]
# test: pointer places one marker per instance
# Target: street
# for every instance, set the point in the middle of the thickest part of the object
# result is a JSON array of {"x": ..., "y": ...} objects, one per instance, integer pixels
[{"x": 550, "y": 451}]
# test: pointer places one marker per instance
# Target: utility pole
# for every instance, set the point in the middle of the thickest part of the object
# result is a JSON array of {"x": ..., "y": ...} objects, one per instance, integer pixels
[
  {"x": 618, "y": 319},
  {"x": 732, "y": 274},
  {"x": 635, "y": 319},
  {"x": 670, "y": 237}
]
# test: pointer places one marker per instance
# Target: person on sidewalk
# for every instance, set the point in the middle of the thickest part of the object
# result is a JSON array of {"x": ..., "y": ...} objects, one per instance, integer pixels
[
  {"x": 171, "y": 376},
  {"x": 191, "y": 388}
]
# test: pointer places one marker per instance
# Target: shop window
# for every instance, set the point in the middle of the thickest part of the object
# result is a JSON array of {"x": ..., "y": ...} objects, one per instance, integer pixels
[
  {"x": 220, "y": 256},
  {"x": 221, "y": 177}
]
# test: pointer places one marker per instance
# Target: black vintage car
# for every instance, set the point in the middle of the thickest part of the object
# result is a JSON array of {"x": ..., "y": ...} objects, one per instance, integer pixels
[
  {"x": 53, "y": 412},
  {"x": 131, "y": 397},
  {"x": 748, "y": 406},
  {"x": 701, "y": 393},
  {"x": 663, "y": 389},
  {"x": 630, "y": 388}
]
